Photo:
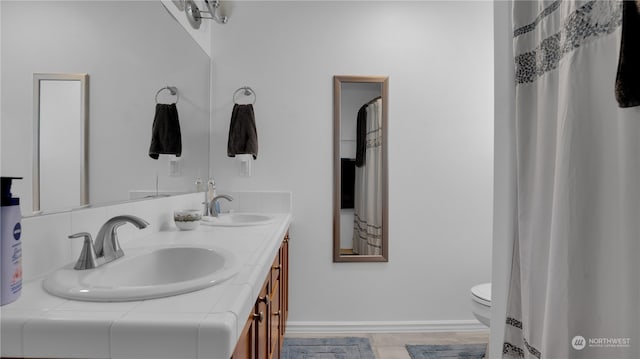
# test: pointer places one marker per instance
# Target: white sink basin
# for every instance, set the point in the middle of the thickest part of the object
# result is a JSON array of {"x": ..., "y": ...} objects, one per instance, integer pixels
[
  {"x": 237, "y": 220},
  {"x": 144, "y": 274}
]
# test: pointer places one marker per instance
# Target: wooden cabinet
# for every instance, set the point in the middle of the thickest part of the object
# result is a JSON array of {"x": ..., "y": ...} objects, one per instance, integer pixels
[
  {"x": 284, "y": 283},
  {"x": 263, "y": 333}
]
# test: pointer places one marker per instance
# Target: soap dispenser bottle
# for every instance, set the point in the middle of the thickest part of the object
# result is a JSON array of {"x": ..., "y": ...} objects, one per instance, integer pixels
[{"x": 10, "y": 244}]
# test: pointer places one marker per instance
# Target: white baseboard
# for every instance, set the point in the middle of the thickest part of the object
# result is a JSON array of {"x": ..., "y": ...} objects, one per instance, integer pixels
[{"x": 386, "y": 327}]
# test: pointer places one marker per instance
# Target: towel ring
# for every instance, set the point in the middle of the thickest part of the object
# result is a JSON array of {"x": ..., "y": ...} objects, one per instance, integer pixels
[
  {"x": 172, "y": 89},
  {"x": 248, "y": 91}
]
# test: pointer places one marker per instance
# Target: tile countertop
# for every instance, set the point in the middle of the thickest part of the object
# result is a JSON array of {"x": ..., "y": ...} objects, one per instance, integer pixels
[{"x": 202, "y": 324}]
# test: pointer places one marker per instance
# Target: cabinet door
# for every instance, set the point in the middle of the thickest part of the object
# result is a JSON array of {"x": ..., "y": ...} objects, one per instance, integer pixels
[
  {"x": 246, "y": 347},
  {"x": 274, "y": 325},
  {"x": 284, "y": 283},
  {"x": 262, "y": 320},
  {"x": 274, "y": 310}
]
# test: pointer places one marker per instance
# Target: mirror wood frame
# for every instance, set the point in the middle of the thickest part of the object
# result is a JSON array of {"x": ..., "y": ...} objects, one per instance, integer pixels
[
  {"x": 83, "y": 133},
  {"x": 338, "y": 256}
]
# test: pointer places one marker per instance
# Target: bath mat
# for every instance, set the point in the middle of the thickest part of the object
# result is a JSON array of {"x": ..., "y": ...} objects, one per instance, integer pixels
[
  {"x": 453, "y": 351},
  {"x": 327, "y": 348}
]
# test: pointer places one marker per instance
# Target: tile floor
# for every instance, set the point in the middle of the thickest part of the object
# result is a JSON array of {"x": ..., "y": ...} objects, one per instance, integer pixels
[{"x": 391, "y": 346}]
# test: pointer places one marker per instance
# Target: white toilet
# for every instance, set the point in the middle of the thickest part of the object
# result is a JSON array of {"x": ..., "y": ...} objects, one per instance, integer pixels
[{"x": 481, "y": 302}]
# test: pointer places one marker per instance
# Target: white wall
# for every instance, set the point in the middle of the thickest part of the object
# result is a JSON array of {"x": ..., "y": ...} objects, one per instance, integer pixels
[
  {"x": 439, "y": 58},
  {"x": 1, "y": 81},
  {"x": 201, "y": 35}
]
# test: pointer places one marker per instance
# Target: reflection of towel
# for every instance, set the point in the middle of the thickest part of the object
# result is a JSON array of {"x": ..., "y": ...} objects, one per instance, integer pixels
[
  {"x": 348, "y": 182},
  {"x": 165, "y": 135},
  {"x": 628, "y": 77},
  {"x": 243, "y": 137},
  {"x": 361, "y": 136}
]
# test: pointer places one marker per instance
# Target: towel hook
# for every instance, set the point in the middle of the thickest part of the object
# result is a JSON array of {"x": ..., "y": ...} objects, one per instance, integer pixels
[
  {"x": 172, "y": 89},
  {"x": 248, "y": 91}
]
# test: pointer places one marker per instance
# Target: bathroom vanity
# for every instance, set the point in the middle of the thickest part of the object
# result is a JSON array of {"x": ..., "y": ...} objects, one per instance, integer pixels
[{"x": 241, "y": 317}]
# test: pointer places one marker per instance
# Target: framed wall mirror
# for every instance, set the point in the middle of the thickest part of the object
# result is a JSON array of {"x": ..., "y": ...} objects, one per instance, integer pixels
[
  {"x": 67, "y": 37},
  {"x": 360, "y": 215},
  {"x": 61, "y": 118}
]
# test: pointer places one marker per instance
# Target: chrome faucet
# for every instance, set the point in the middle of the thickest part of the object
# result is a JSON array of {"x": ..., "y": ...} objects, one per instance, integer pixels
[
  {"x": 213, "y": 212},
  {"x": 107, "y": 247}
]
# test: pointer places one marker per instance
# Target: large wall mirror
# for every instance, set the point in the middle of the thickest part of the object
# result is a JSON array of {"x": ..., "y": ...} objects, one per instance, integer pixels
[
  {"x": 360, "y": 215},
  {"x": 127, "y": 65},
  {"x": 61, "y": 116}
]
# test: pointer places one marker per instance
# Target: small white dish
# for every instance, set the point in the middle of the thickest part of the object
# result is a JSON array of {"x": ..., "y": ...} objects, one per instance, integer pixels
[{"x": 187, "y": 219}]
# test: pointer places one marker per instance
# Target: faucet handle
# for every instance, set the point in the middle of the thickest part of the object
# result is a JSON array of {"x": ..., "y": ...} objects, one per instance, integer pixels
[{"x": 87, "y": 259}]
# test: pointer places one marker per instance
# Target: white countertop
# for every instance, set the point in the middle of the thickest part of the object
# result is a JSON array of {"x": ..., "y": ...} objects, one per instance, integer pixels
[{"x": 202, "y": 324}]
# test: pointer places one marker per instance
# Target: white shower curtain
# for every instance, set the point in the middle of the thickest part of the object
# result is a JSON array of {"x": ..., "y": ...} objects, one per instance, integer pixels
[
  {"x": 367, "y": 224},
  {"x": 575, "y": 280}
]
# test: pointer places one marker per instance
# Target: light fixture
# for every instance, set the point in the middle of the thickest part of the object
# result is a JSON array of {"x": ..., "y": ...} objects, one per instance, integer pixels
[{"x": 194, "y": 15}]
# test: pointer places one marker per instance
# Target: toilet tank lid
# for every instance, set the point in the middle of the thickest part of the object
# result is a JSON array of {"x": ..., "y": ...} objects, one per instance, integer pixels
[{"x": 482, "y": 291}]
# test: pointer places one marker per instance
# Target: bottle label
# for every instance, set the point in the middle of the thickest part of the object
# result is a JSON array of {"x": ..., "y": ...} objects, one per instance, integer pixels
[{"x": 16, "y": 260}]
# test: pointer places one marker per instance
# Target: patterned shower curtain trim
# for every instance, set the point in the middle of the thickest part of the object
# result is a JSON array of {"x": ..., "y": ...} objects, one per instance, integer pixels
[{"x": 586, "y": 23}]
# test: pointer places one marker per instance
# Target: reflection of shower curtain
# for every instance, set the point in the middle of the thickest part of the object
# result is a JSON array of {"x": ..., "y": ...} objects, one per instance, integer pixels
[
  {"x": 574, "y": 290},
  {"x": 367, "y": 225}
]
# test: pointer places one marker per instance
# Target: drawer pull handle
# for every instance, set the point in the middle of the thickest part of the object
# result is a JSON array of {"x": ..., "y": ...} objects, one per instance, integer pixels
[
  {"x": 264, "y": 299},
  {"x": 259, "y": 316}
]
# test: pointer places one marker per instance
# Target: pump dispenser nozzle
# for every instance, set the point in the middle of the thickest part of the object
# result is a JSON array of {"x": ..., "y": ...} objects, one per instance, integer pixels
[{"x": 5, "y": 188}]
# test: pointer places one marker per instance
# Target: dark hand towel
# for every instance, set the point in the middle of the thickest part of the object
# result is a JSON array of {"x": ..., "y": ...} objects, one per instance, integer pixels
[
  {"x": 166, "y": 138},
  {"x": 628, "y": 77},
  {"x": 243, "y": 137}
]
